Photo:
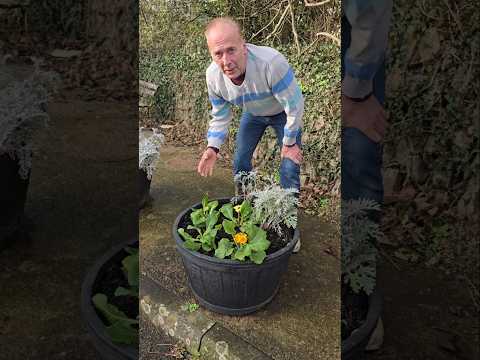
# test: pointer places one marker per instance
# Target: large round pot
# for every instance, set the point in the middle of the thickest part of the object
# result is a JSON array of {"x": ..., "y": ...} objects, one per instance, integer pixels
[
  {"x": 107, "y": 349},
  {"x": 144, "y": 186},
  {"x": 228, "y": 286},
  {"x": 13, "y": 194},
  {"x": 353, "y": 348}
]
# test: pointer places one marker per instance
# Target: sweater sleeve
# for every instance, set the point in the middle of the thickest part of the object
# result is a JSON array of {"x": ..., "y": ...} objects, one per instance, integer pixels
[
  {"x": 369, "y": 22},
  {"x": 221, "y": 116},
  {"x": 286, "y": 90}
]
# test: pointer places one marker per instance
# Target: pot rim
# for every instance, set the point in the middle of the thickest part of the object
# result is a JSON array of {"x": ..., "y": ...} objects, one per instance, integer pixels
[
  {"x": 90, "y": 317},
  {"x": 362, "y": 333},
  {"x": 212, "y": 259}
]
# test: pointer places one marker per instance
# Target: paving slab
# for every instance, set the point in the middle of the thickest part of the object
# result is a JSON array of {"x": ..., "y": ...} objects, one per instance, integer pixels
[{"x": 302, "y": 321}]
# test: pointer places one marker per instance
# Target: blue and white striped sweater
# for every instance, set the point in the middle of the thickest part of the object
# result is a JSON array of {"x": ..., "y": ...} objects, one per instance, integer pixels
[
  {"x": 269, "y": 88},
  {"x": 370, "y": 21}
]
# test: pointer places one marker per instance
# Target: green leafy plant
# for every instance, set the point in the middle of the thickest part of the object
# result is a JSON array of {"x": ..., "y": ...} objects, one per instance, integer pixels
[
  {"x": 121, "y": 328},
  {"x": 359, "y": 236},
  {"x": 245, "y": 220}
]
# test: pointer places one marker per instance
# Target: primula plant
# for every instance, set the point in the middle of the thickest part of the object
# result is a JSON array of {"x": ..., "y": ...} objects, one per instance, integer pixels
[
  {"x": 23, "y": 113},
  {"x": 359, "y": 238},
  {"x": 121, "y": 328},
  {"x": 149, "y": 151},
  {"x": 243, "y": 223}
]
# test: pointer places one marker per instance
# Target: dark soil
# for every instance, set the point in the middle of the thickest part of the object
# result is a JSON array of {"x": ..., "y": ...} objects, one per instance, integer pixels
[
  {"x": 110, "y": 277},
  {"x": 354, "y": 310},
  {"x": 277, "y": 241}
]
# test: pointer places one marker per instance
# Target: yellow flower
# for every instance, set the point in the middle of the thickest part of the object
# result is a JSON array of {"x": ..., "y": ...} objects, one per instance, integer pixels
[
  {"x": 240, "y": 238},
  {"x": 237, "y": 208}
]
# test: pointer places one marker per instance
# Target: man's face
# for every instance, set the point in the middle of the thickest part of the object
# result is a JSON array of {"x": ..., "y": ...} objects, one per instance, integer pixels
[{"x": 228, "y": 50}]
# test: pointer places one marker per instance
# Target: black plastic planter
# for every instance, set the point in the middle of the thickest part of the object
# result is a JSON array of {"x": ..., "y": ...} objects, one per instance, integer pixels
[
  {"x": 144, "y": 186},
  {"x": 353, "y": 348},
  {"x": 107, "y": 349},
  {"x": 13, "y": 194},
  {"x": 228, "y": 286}
]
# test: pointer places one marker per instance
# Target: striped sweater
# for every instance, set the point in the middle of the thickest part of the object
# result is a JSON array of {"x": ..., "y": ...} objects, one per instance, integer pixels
[
  {"x": 269, "y": 88},
  {"x": 370, "y": 21}
]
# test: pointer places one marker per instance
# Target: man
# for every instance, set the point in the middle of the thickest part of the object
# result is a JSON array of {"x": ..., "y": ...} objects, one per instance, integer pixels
[
  {"x": 258, "y": 79},
  {"x": 365, "y": 25}
]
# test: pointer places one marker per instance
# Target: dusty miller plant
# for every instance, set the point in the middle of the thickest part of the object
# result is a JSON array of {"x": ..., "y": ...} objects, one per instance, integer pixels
[
  {"x": 359, "y": 237},
  {"x": 272, "y": 205},
  {"x": 149, "y": 150},
  {"x": 23, "y": 113}
]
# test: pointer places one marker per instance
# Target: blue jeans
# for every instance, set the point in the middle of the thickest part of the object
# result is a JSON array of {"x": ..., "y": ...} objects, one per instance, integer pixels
[
  {"x": 248, "y": 136},
  {"x": 361, "y": 157}
]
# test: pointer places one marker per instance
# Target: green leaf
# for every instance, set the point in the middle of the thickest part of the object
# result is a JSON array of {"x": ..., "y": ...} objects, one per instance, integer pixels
[
  {"x": 227, "y": 211},
  {"x": 121, "y": 291},
  {"x": 258, "y": 256},
  {"x": 259, "y": 241},
  {"x": 132, "y": 268},
  {"x": 212, "y": 206},
  {"x": 111, "y": 312},
  {"x": 229, "y": 227},
  {"x": 241, "y": 253},
  {"x": 122, "y": 333},
  {"x": 246, "y": 210},
  {"x": 198, "y": 217},
  {"x": 185, "y": 235},
  {"x": 212, "y": 219},
  {"x": 225, "y": 248},
  {"x": 190, "y": 244},
  {"x": 205, "y": 201}
]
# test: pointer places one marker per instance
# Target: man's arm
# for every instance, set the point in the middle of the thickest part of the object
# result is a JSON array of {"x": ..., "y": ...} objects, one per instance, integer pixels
[
  {"x": 286, "y": 90},
  {"x": 369, "y": 20},
  {"x": 221, "y": 117}
]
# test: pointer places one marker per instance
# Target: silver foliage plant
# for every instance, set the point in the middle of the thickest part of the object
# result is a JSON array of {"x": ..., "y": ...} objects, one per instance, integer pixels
[
  {"x": 359, "y": 237},
  {"x": 149, "y": 150},
  {"x": 23, "y": 113},
  {"x": 272, "y": 205}
]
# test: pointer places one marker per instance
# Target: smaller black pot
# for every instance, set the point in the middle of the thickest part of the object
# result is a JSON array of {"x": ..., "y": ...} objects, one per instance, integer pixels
[
  {"x": 353, "y": 348},
  {"x": 13, "y": 195},
  {"x": 144, "y": 186},
  {"x": 228, "y": 286},
  {"x": 107, "y": 349}
]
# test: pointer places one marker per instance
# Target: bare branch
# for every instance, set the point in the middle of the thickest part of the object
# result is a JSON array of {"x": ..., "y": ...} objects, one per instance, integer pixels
[
  {"x": 295, "y": 35},
  {"x": 316, "y": 4},
  {"x": 280, "y": 22}
]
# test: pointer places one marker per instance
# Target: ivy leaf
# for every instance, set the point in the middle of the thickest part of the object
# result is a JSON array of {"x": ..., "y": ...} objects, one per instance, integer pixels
[
  {"x": 227, "y": 211},
  {"x": 258, "y": 256},
  {"x": 241, "y": 253},
  {"x": 229, "y": 227},
  {"x": 225, "y": 248}
]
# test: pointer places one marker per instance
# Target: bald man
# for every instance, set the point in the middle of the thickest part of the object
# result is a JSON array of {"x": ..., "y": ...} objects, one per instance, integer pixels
[{"x": 260, "y": 81}]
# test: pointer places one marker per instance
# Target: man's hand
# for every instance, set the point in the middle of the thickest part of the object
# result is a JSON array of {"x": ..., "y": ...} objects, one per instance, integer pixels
[
  {"x": 207, "y": 162},
  {"x": 294, "y": 153},
  {"x": 367, "y": 116}
]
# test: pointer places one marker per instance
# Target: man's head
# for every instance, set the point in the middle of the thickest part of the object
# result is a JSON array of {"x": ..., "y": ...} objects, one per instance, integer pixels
[{"x": 227, "y": 46}]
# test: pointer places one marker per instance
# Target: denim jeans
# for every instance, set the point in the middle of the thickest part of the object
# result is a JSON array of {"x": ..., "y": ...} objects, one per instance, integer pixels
[
  {"x": 361, "y": 157},
  {"x": 248, "y": 136}
]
